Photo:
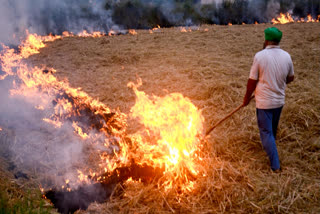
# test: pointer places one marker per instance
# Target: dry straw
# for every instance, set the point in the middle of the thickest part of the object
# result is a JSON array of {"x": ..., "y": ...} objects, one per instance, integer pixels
[{"x": 211, "y": 68}]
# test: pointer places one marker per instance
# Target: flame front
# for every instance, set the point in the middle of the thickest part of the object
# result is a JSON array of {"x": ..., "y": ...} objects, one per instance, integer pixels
[
  {"x": 283, "y": 19},
  {"x": 170, "y": 138},
  {"x": 132, "y": 32},
  {"x": 287, "y": 18},
  {"x": 62, "y": 103}
]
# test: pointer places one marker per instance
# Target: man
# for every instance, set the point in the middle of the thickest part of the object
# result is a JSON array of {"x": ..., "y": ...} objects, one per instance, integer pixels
[{"x": 271, "y": 70}]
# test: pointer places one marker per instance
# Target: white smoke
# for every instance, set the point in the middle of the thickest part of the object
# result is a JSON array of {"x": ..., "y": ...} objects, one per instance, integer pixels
[
  {"x": 35, "y": 147},
  {"x": 54, "y": 16},
  {"x": 273, "y": 9}
]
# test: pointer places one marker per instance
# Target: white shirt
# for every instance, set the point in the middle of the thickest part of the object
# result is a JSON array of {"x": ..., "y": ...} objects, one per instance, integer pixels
[{"x": 271, "y": 67}]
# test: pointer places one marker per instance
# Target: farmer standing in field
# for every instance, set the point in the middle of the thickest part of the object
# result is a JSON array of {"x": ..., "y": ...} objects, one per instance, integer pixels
[{"x": 271, "y": 70}]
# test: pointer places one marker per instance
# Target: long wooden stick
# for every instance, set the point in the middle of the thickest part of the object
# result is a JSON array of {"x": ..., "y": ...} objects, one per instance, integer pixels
[
  {"x": 226, "y": 117},
  {"x": 223, "y": 119}
]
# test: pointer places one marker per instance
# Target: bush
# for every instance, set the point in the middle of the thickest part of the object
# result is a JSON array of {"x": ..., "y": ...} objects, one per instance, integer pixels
[
  {"x": 150, "y": 13},
  {"x": 135, "y": 14}
]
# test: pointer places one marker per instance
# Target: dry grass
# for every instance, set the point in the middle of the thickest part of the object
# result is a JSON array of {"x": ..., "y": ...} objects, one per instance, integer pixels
[{"x": 211, "y": 68}]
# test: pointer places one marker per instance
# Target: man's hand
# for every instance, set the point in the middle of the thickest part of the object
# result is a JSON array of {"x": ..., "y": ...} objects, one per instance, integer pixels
[
  {"x": 251, "y": 86},
  {"x": 289, "y": 79},
  {"x": 246, "y": 101}
]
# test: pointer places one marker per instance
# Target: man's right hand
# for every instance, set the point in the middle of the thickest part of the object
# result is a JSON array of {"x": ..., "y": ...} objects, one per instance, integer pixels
[
  {"x": 289, "y": 79},
  {"x": 246, "y": 101}
]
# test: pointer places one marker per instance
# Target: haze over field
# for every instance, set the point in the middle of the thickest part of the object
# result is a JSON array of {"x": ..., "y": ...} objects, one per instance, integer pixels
[
  {"x": 211, "y": 68},
  {"x": 181, "y": 50},
  {"x": 55, "y": 16}
]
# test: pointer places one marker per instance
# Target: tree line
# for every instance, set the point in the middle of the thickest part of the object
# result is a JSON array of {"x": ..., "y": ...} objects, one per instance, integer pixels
[{"x": 150, "y": 13}]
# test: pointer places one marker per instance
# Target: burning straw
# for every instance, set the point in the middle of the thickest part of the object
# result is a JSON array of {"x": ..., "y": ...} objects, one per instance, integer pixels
[
  {"x": 233, "y": 173},
  {"x": 167, "y": 150}
]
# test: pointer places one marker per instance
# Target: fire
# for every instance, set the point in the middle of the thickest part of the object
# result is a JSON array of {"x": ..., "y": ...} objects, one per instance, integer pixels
[
  {"x": 111, "y": 33},
  {"x": 31, "y": 45},
  {"x": 79, "y": 130},
  {"x": 310, "y": 19},
  {"x": 82, "y": 177},
  {"x": 155, "y": 29},
  {"x": 287, "y": 18},
  {"x": 283, "y": 19},
  {"x": 67, "y": 34},
  {"x": 158, "y": 27},
  {"x": 184, "y": 30},
  {"x": 61, "y": 102},
  {"x": 173, "y": 124},
  {"x": 56, "y": 124},
  {"x": 132, "y": 32},
  {"x": 230, "y": 24},
  {"x": 84, "y": 33}
]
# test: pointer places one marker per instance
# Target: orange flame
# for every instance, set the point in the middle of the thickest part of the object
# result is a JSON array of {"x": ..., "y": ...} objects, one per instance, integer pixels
[
  {"x": 84, "y": 33},
  {"x": 111, "y": 33},
  {"x": 42, "y": 87},
  {"x": 67, "y": 34},
  {"x": 310, "y": 19},
  {"x": 183, "y": 30},
  {"x": 79, "y": 130},
  {"x": 132, "y": 32},
  {"x": 287, "y": 18},
  {"x": 283, "y": 19},
  {"x": 155, "y": 29},
  {"x": 174, "y": 124},
  {"x": 230, "y": 24}
]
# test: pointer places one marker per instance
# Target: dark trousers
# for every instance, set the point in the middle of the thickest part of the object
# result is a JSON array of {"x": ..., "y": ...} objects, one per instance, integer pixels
[{"x": 268, "y": 120}]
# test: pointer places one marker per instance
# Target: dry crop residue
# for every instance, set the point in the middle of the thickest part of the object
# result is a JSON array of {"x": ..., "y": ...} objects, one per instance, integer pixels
[{"x": 211, "y": 68}]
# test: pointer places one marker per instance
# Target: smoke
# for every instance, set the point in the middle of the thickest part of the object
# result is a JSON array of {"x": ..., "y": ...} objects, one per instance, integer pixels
[
  {"x": 273, "y": 9},
  {"x": 54, "y": 154},
  {"x": 54, "y": 16},
  {"x": 149, "y": 13}
]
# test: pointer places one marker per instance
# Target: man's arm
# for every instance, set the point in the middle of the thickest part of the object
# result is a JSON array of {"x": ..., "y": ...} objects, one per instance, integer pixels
[
  {"x": 290, "y": 79},
  {"x": 251, "y": 86},
  {"x": 290, "y": 76}
]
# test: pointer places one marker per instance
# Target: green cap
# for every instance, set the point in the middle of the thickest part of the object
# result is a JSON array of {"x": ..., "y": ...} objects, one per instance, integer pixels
[{"x": 272, "y": 34}]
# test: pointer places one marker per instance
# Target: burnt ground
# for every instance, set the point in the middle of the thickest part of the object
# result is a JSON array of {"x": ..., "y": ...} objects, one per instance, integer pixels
[{"x": 211, "y": 68}]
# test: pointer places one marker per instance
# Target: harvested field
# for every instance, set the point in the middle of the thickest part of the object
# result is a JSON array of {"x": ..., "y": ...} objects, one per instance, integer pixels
[{"x": 211, "y": 68}]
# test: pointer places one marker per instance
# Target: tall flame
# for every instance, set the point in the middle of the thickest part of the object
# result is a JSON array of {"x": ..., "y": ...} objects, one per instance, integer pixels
[
  {"x": 287, "y": 18},
  {"x": 283, "y": 19},
  {"x": 172, "y": 126}
]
